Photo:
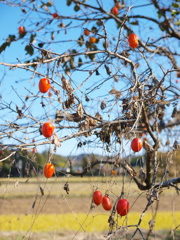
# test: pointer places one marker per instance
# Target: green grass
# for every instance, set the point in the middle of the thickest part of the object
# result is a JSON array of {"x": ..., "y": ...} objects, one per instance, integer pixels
[{"x": 82, "y": 222}]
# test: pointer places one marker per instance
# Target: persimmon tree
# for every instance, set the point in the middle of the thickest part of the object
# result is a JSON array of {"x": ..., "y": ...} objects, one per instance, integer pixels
[{"x": 104, "y": 90}]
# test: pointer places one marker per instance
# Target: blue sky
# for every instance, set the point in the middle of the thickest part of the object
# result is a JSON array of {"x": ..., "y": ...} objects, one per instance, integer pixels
[{"x": 19, "y": 79}]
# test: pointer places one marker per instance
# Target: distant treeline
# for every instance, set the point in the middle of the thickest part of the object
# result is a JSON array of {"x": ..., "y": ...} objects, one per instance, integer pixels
[{"x": 28, "y": 164}]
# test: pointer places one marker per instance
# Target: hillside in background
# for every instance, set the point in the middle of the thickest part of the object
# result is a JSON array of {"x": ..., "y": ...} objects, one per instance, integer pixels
[{"x": 27, "y": 164}]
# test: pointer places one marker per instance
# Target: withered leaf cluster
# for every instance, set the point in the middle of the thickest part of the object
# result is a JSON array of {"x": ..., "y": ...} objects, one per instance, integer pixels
[
  {"x": 115, "y": 92},
  {"x": 69, "y": 90},
  {"x": 89, "y": 123}
]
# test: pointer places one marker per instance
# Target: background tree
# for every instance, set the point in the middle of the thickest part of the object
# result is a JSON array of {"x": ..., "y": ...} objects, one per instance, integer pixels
[{"x": 105, "y": 88}]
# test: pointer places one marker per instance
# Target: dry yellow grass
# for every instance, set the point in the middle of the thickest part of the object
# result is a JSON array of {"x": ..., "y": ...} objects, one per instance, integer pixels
[
  {"x": 18, "y": 187},
  {"x": 82, "y": 222}
]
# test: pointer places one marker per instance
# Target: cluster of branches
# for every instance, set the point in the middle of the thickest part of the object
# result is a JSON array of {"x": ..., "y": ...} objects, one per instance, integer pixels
[{"x": 142, "y": 96}]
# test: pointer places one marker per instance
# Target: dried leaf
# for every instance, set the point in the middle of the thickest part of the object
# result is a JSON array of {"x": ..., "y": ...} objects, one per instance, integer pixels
[
  {"x": 176, "y": 145},
  {"x": 107, "y": 70},
  {"x": 27, "y": 97},
  {"x": 125, "y": 105},
  {"x": 74, "y": 117},
  {"x": 103, "y": 105},
  {"x": 42, "y": 104},
  {"x": 98, "y": 116},
  {"x": 174, "y": 112},
  {"x": 115, "y": 92},
  {"x": 66, "y": 85},
  {"x": 142, "y": 175},
  {"x": 80, "y": 111},
  {"x": 105, "y": 136},
  {"x": 90, "y": 122},
  {"x": 116, "y": 78},
  {"x": 69, "y": 101},
  {"x": 56, "y": 140},
  {"x": 86, "y": 98},
  {"x": 66, "y": 187},
  {"x": 56, "y": 92},
  {"x": 42, "y": 191},
  {"x": 59, "y": 116},
  {"x": 20, "y": 114},
  {"x": 97, "y": 72},
  {"x": 33, "y": 205}
]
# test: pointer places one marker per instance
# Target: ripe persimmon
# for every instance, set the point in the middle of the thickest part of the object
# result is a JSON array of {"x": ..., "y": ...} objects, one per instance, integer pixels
[
  {"x": 44, "y": 85},
  {"x": 55, "y": 15},
  {"x": 86, "y": 32},
  {"x": 47, "y": 129},
  {"x": 113, "y": 172},
  {"x": 92, "y": 40},
  {"x": 97, "y": 197},
  {"x": 21, "y": 30},
  {"x": 49, "y": 170},
  {"x": 136, "y": 144},
  {"x": 115, "y": 10},
  {"x": 106, "y": 203},
  {"x": 133, "y": 40},
  {"x": 122, "y": 207}
]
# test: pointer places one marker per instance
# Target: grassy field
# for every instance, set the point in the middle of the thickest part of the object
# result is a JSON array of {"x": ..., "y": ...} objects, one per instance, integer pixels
[
  {"x": 25, "y": 210},
  {"x": 82, "y": 221},
  {"x": 15, "y": 187}
]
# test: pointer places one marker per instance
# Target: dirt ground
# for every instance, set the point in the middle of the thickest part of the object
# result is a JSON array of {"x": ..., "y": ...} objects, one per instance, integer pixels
[
  {"x": 163, "y": 235},
  {"x": 77, "y": 204}
]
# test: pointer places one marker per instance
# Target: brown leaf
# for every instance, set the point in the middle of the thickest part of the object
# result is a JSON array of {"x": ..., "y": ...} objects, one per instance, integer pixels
[
  {"x": 142, "y": 175},
  {"x": 34, "y": 203},
  {"x": 116, "y": 78},
  {"x": 174, "y": 112},
  {"x": 74, "y": 117},
  {"x": 59, "y": 116},
  {"x": 20, "y": 114},
  {"x": 66, "y": 85},
  {"x": 90, "y": 122},
  {"x": 42, "y": 191},
  {"x": 98, "y": 116},
  {"x": 56, "y": 92},
  {"x": 103, "y": 105},
  {"x": 66, "y": 187},
  {"x": 176, "y": 145},
  {"x": 107, "y": 70},
  {"x": 56, "y": 140},
  {"x": 27, "y": 97},
  {"x": 80, "y": 110},
  {"x": 115, "y": 92},
  {"x": 69, "y": 101}
]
